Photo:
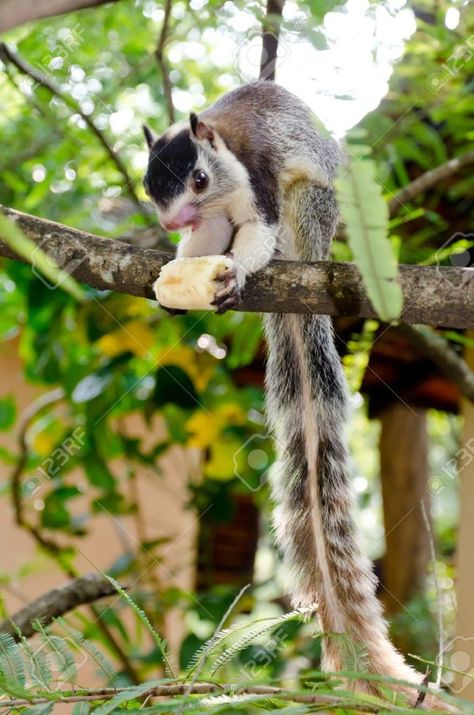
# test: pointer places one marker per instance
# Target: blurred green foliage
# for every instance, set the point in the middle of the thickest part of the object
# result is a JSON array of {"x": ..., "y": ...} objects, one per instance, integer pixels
[{"x": 115, "y": 355}]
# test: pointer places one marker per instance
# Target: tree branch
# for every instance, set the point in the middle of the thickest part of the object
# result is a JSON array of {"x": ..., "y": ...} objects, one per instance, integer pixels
[
  {"x": 30, "y": 414},
  {"x": 270, "y": 37},
  {"x": 57, "y": 602},
  {"x": 7, "y": 55},
  {"x": 17, "y": 12},
  {"x": 428, "y": 180},
  {"x": 441, "y": 296},
  {"x": 435, "y": 347},
  {"x": 161, "y": 59},
  {"x": 324, "y": 700}
]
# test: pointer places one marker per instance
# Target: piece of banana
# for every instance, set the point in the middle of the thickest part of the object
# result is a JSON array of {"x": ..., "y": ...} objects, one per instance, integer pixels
[{"x": 191, "y": 283}]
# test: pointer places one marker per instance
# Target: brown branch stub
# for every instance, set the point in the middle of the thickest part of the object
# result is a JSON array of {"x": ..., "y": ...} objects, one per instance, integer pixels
[
  {"x": 162, "y": 62},
  {"x": 270, "y": 39},
  {"x": 440, "y": 296},
  {"x": 57, "y": 602},
  {"x": 17, "y": 12}
]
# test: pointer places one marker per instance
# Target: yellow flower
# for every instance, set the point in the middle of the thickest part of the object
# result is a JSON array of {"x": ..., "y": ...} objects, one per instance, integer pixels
[
  {"x": 232, "y": 414},
  {"x": 204, "y": 429},
  {"x": 135, "y": 337},
  {"x": 222, "y": 463},
  {"x": 43, "y": 444},
  {"x": 199, "y": 366},
  {"x": 138, "y": 307}
]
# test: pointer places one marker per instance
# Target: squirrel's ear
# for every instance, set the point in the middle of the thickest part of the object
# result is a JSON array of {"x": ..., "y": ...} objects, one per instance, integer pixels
[
  {"x": 193, "y": 120},
  {"x": 200, "y": 129},
  {"x": 149, "y": 136}
]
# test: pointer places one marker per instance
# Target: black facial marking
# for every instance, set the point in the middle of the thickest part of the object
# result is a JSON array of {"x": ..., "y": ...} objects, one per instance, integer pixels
[{"x": 169, "y": 166}]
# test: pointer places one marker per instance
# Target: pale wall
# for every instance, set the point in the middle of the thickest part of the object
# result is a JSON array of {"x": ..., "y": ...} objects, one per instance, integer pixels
[{"x": 162, "y": 501}]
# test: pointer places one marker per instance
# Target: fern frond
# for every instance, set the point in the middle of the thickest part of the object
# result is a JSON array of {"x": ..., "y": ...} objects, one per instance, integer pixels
[
  {"x": 39, "y": 670},
  {"x": 36, "y": 662},
  {"x": 160, "y": 642},
  {"x": 255, "y": 632},
  {"x": 217, "y": 638},
  {"x": 11, "y": 662},
  {"x": 14, "y": 690},
  {"x": 57, "y": 647},
  {"x": 90, "y": 648},
  {"x": 198, "y": 660}
]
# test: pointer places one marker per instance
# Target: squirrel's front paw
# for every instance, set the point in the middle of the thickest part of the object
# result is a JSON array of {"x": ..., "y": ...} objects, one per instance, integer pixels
[{"x": 230, "y": 288}]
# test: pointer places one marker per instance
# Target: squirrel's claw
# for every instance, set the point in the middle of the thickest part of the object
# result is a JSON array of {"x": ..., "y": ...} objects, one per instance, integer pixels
[{"x": 229, "y": 295}]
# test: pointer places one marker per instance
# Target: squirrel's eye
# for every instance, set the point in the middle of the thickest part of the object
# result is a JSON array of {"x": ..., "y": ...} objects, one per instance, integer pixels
[{"x": 201, "y": 180}]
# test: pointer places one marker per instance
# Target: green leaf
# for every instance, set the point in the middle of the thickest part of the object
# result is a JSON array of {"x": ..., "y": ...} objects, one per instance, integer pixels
[
  {"x": 11, "y": 661},
  {"x": 124, "y": 697},
  {"x": 98, "y": 472},
  {"x": 88, "y": 648},
  {"x": 174, "y": 386},
  {"x": 7, "y": 412},
  {"x": 365, "y": 214},
  {"x": 64, "y": 664},
  {"x": 64, "y": 659},
  {"x": 254, "y": 631},
  {"x": 245, "y": 341},
  {"x": 159, "y": 642},
  {"x": 41, "y": 709}
]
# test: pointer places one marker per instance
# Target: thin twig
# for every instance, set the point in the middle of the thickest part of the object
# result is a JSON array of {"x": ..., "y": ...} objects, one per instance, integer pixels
[
  {"x": 7, "y": 55},
  {"x": 349, "y": 702},
  {"x": 163, "y": 64},
  {"x": 202, "y": 661},
  {"x": 434, "y": 346},
  {"x": 428, "y": 180},
  {"x": 438, "y": 595},
  {"x": 29, "y": 415}
]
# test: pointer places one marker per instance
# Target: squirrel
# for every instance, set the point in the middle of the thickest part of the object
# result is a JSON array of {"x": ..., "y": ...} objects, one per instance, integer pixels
[{"x": 251, "y": 178}]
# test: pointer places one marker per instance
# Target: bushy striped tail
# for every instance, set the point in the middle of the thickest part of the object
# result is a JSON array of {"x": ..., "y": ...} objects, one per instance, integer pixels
[
  {"x": 307, "y": 406},
  {"x": 307, "y": 410}
]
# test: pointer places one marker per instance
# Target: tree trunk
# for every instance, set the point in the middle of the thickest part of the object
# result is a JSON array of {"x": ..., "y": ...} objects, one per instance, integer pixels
[{"x": 404, "y": 473}]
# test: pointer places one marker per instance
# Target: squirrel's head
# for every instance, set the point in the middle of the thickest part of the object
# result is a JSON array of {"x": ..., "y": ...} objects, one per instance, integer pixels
[{"x": 190, "y": 174}]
